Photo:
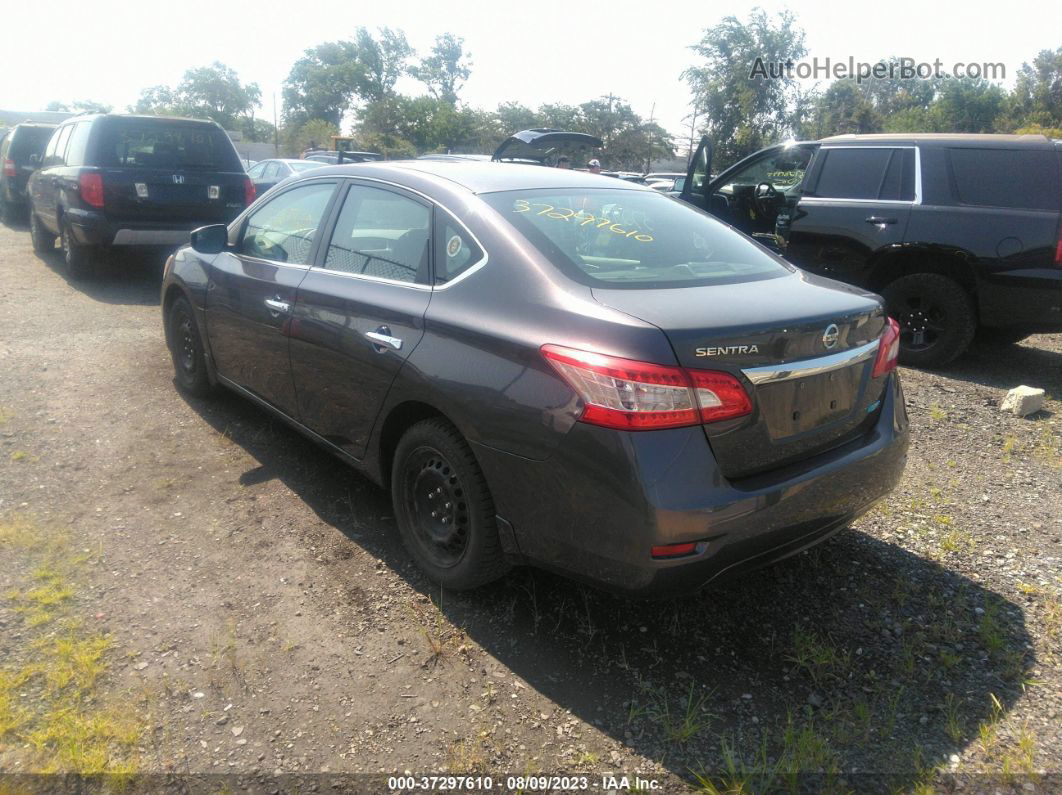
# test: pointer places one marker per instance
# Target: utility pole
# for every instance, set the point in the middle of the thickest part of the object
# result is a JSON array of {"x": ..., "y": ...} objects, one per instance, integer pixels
[{"x": 276, "y": 130}]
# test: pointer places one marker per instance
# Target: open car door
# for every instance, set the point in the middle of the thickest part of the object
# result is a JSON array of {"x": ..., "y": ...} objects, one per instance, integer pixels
[
  {"x": 539, "y": 145},
  {"x": 695, "y": 188}
]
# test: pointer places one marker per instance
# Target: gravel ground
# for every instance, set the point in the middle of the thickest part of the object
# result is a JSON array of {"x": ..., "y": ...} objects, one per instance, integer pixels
[{"x": 238, "y": 602}]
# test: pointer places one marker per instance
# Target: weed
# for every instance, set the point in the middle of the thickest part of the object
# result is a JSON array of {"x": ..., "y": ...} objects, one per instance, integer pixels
[
  {"x": 936, "y": 413},
  {"x": 818, "y": 657},
  {"x": 952, "y": 718}
]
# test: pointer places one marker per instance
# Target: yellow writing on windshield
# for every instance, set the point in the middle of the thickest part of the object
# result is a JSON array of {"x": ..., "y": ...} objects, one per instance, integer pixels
[{"x": 581, "y": 217}]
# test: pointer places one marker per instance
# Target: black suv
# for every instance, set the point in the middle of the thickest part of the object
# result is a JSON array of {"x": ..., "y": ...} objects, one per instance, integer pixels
[
  {"x": 114, "y": 180},
  {"x": 21, "y": 143},
  {"x": 957, "y": 232}
]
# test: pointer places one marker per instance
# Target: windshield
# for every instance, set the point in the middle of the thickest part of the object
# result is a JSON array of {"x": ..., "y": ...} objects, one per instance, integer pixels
[
  {"x": 633, "y": 238},
  {"x": 145, "y": 143}
]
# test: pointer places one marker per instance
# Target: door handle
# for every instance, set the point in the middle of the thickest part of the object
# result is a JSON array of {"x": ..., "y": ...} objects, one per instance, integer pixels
[
  {"x": 276, "y": 306},
  {"x": 880, "y": 220},
  {"x": 382, "y": 339}
]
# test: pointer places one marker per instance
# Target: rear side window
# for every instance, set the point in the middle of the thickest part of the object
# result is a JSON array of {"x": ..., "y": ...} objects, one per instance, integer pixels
[
  {"x": 1025, "y": 179},
  {"x": 284, "y": 228},
  {"x": 75, "y": 150},
  {"x": 167, "y": 146},
  {"x": 870, "y": 173},
  {"x": 381, "y": 234},
  {"x": 455, "y": 250},
  {"x": 54, "y": 156}
]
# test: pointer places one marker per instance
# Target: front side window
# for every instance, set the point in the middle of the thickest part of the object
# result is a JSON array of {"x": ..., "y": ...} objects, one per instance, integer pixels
[
  {"x": 381, "y": 234},
  {"x": 783, "y": 169},
  {"x": 633, "y": 238},
  {"x": 283, "y": 230}
]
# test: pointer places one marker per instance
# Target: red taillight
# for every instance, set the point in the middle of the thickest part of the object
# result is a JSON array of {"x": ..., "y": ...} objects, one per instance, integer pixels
[
  {"x": 888, "y": 349},
  {"x": 9, "y": 167},
  {"x": 1058, "y": 248},
  {"x": 91, "y": 185},
  {"x": 635, "y": 396},
  {"x": 248, "y": 191},
  {"x": 673, "y": 550}
]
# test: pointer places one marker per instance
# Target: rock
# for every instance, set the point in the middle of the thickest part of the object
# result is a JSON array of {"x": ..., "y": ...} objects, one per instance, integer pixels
[{"x": 1023, "y": 401}]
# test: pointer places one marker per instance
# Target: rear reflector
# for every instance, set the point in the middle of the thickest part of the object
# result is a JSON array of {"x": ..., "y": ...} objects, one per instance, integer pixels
[
  {"x": 9, "y": 167},
  {"x": 248, "y": 190},
  {"x": 633, "y": 395},
  {"x": 674, "y": 550},
  {"x": 91, "y": 186},
  {"x": 888, "y": 349}
]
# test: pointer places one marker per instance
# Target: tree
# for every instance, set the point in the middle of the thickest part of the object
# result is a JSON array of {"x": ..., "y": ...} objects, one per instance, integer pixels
[
  {"x": 314, "y": 134},
  {"x": 742, "y": 112},
  {"x": 213, "y": 92},
  {"x": 512, "y": 117},
  {"x": 1037, "y": 95},
  {"x": 446, "y": 69},
  {"x": 382, "y": 61},
  {"x": 321, "y": 84},
  {"x": 80, "y": 106},
  {"x": 842, "y": 108}
]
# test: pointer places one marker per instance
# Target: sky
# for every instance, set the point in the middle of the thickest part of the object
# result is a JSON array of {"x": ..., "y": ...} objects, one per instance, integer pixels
[{"x": 529, "y": 53}]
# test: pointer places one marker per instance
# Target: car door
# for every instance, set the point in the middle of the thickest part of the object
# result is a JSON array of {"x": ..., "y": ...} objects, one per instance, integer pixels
[
  {"x": 251, "y": 291},
  {"x": 360, "y": 311},
  {"x": 856, "y": 201}
]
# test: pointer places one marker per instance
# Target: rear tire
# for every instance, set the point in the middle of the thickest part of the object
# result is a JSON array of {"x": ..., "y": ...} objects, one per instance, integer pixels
[
  {"x": 43, "y": 241},
  {"x": 936, "y": 316},
  {"x": 79, "y": 260},
  {"x": 7, "y": 212},
  {"x": 444, "y": 509},
  {"x": 186, "y": 350}
]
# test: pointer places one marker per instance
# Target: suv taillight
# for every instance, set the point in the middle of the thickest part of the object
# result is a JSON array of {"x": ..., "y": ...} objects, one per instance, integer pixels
[
  {"x": 1058, "y": 247},
  {"x": 9, "y": 167},
  {"x": 888, "y": 349},
  {"x": 90, "y": 184},
  {"x": 248, "y": 191},
  {"x": 637, "y": 396}
]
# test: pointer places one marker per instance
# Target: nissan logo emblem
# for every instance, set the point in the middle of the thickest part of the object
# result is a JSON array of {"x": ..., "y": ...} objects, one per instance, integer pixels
[{"x": 831, "y": 335}]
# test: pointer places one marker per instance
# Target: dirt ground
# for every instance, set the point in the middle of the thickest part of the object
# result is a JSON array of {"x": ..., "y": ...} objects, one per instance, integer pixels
[{"x": 189, "y": 587}]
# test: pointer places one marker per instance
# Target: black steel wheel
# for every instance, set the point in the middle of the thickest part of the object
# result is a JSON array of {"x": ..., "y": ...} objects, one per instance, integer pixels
[
  {"x": 936, "y": 316},
  {"x": 186, "y": 350},
  {"x": 444, "y": 510},
  {"x": 42, "y": 240}
]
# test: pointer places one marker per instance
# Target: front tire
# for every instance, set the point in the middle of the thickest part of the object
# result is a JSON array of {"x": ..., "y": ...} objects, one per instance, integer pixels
[
  {"x": 936, "y": 316},
  {"x": 186, "y": 350},
  {"x": 43, "y": 241},
  {"x": 444, "y": 509},
  {"x": 79, "y": 260}
]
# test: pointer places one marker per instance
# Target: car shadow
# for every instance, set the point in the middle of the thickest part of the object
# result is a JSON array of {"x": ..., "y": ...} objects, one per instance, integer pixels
[
  {"x": 127, "y": 277},
  {"x": 1007, "y": 366},
  {"x": 855, "y": 666}
]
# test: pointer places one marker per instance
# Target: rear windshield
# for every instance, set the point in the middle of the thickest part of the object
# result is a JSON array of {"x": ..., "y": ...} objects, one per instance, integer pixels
[
  {"x": 28, "y": 141},
  {"x": 633, "y": 238},
  {"x": 143, "y": 143}
]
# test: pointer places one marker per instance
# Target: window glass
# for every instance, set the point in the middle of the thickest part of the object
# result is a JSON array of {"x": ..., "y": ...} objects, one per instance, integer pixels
[
  {"x": 26, "y": 141},
  {"x": 381, "y": 234},
  {"x": 75, "y": 150},
  {"x": 852, "y": 173},
  {"x": 255, "y": 171},
  {"x": 271, "y": 170},
  {"x": 455, "y": 251},
  {"x": 166, "y": 145},
  {"x": 49, "y": 151},
  {"x": 304, "y": 165},
  {"x": 1006, "y": 177},
  {"x": 633, "y": 238},
  {"x": 283, "y": 230},
  {"x": 783, "y": 169},
  {"x": 700, "y": 172},
  {"x": 56, "y": 158}
]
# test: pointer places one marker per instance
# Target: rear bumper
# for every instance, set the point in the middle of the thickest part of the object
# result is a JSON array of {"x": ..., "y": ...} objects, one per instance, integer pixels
[
  {"x": 1030, "y": 297},
  {"x": 96, "y": 229},
  {"x": 596, "y": 507}
]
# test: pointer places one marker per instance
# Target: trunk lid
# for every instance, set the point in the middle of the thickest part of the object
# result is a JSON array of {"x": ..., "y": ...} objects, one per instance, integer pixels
[
  {"x": 172, "y": 195},
  {"x": 537, "y": 144},
  {"x": 803, "y": 346}
]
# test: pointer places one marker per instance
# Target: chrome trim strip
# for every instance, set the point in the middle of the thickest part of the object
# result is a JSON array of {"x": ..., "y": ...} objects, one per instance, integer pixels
[{"x": 773, "y": 373}]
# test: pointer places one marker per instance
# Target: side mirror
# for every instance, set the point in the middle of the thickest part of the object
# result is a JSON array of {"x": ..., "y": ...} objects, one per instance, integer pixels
[
  {"x": 35, "y": 160},
  {"x": 211, "y": 239}
]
